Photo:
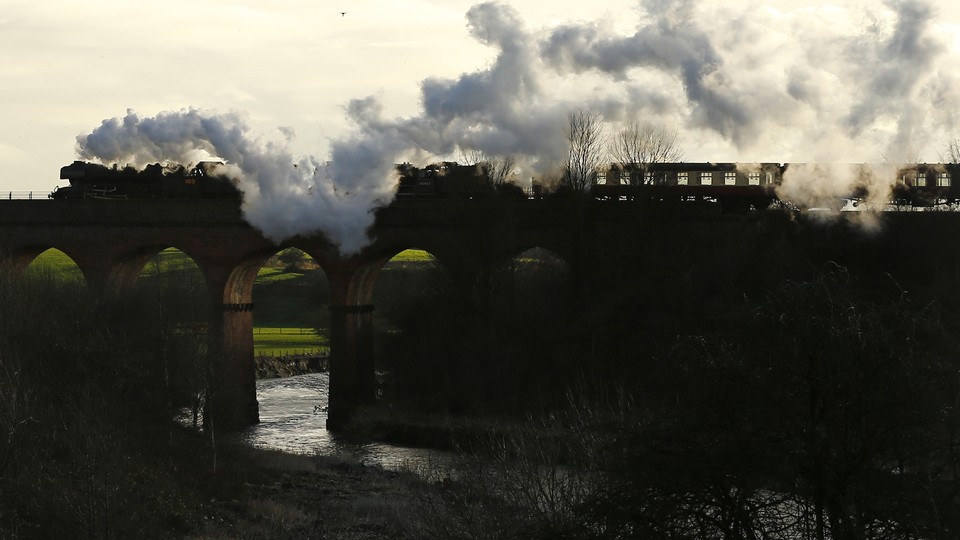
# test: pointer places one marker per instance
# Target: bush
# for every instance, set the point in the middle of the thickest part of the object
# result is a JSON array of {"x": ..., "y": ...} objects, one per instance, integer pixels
[{"x": 823, "y": 411}]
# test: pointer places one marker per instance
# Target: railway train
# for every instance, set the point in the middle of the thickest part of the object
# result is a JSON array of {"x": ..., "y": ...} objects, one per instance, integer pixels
[
  {"x": 95, "y": 181},
  {"x": 731, "y": 187},
  {"x": 682, "y": 182}
]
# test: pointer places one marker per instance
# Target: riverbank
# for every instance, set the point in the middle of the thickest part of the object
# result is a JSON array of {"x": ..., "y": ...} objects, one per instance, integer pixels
[
  {"x": 179, "y": 483},
  {"x": 438, "y": 431},
  {"x": 274, "y": 367},
  {"x": 268, "y": 494}
]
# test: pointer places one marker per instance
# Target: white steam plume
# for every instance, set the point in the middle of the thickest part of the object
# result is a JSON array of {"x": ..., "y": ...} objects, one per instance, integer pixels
[
  {"x": 812, "y": 85},
  {"x": 283, "y": 195},
  {"x": 819, "y": 85}
]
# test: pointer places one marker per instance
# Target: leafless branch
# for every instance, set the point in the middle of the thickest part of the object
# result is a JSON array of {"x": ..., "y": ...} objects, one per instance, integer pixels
[
  {"x": 498, "y": 170},
  {"x": 470, "y": 156},
  {"x": 640, "y": 144},
  {"x": 951, "y": 151},
  {"x": 586, "y": 149}
]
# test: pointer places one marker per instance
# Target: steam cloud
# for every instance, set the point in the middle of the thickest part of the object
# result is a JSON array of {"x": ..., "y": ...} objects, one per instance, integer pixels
[
  {"x": 816, "y": 85},
  {"x": 283, "y": 195}
]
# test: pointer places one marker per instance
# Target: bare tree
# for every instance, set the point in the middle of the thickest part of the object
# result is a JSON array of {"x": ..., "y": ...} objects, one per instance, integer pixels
[
  {"x": 497, "y": 170},
  {"x": 640, "y": 144},
  {"x": 951, "y": 151},
  {"x": 586, "y": 152},
  {"x": 472, "y": 156}
]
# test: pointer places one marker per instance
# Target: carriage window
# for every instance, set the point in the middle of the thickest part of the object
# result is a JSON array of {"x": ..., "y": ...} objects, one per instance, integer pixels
[
  {"x": 730, "y": 179},
  {"x": 681, "y": 178},
  {"x": 943, "y": 179},
  {"x": 753, "y": 179},
  {"x": 706, "y": 178}
]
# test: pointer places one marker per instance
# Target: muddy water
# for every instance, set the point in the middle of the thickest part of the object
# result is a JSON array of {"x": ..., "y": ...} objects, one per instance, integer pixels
[{"x": 293, "y": 419}]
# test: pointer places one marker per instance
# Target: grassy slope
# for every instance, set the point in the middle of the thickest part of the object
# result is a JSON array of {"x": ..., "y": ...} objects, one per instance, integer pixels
[{"x": 56, "y": 263}]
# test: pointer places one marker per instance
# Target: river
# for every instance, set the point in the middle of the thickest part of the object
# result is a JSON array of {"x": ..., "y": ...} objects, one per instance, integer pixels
[{"x": 293, "y": 419}]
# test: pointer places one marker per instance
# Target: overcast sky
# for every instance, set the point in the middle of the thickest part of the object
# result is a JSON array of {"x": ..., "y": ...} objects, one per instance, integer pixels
[{"x": 749, "y": 81}]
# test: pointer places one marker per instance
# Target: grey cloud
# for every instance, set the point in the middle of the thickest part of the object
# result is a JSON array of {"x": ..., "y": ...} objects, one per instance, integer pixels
[
  {"x": 670, "y": 42},
  {"x": 893, "y": 68}
]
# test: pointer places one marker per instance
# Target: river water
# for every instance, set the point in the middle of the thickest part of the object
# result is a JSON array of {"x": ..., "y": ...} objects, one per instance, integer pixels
[{"x": 293, "y": 419}]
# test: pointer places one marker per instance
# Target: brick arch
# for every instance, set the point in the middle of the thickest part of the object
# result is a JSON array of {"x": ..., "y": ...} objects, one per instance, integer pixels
[
  {"x": 230, "y": 287},
  {"x": 233, "y": 394},
  {"x": 128, "y": 267},
  {"x": 565, "y": 259},
  {"x": 352, "y": 280},
  {"x": 238, "y": 286},
  {"x": 365, "y": 278}
]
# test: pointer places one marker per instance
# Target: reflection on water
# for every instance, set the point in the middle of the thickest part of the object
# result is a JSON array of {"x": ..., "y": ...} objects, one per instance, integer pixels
[{"x": 293, "y": 419}]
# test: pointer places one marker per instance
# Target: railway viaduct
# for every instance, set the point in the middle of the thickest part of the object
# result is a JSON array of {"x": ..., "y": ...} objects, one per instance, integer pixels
[{"x": 112, "y": 241}]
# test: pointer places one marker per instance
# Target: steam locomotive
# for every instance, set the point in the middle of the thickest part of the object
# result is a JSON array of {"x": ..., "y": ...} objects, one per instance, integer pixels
[
  {"x": 95, "y": 181},
  {"x": 446, "y": 179}
]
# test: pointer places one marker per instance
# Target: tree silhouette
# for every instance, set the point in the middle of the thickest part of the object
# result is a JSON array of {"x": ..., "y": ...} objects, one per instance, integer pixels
[
  {"x": 585, "y": 152},
  {"x": 641, "y": 144}
]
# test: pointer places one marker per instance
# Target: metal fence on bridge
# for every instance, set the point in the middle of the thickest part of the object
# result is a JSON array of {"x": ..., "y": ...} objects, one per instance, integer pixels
[{"x": 25, "y": 195}]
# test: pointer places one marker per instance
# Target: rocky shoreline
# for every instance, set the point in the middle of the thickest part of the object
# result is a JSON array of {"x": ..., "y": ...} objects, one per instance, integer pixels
[{"x": 273, "y": 367}]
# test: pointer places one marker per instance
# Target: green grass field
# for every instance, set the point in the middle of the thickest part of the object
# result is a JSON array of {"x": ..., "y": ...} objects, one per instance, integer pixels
[
  {"x": 413, "y": 255},
  {"x": 56, "y": 264},
  {"x": 60, "y": 264},
  {"x": 288, "y": 342},
  {"x": 170, "y": 260}
]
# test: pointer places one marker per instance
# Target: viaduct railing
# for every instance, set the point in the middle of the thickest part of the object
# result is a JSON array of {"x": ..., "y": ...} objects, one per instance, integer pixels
[{"x": 24, "y": 195}]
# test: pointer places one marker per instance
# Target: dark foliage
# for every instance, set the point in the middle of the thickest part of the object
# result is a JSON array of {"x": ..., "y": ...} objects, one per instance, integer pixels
[
  {"x": 495, "y": 348},
  {"x": 828, "y": 412},
  {"x": 825, "y": 410},
  {"x": 88, "y": 392}
]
